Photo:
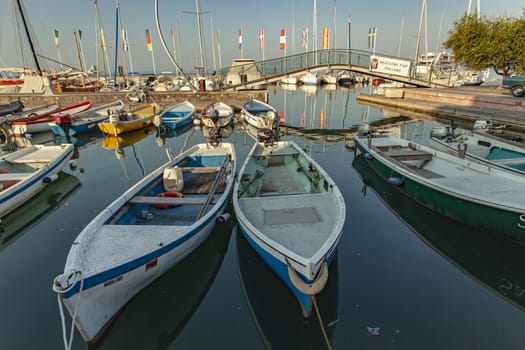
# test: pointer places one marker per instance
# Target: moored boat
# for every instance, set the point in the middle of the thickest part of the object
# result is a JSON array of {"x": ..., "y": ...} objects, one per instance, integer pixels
[
  {"x": 11, "y": 107},
  {"x": 121, "y": 122},
  {"x": 178, "y": 115},
  {"x": 292, "y": 213},
  {"x": 217, "y": 114},
  {"x": 25, "y": 172},
  {"x": 84, "y": 121},
  {"x": 259, "y": 114},
  {"x": 39, "y": 123},
  {"x": 477, "y": 194},
  {"x": 143, "y": 233}
]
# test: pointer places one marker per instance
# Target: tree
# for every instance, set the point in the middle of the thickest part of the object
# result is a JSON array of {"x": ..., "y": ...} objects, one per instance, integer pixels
[{"x": 497, "y": 43}]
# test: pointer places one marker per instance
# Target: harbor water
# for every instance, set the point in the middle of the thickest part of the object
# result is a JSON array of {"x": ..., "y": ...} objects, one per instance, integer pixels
[{"x": 403, "y": 277}]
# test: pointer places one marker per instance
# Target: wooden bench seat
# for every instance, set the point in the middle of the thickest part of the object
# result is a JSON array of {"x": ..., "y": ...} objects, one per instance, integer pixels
[
  {"x": 409, "y": 154},
  {"x": 169, "y": 200},
  {"x": 200, "y": 169}
]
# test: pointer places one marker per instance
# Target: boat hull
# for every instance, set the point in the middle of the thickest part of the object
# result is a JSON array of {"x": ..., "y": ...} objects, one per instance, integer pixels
[{"x": 503, "y": 220}]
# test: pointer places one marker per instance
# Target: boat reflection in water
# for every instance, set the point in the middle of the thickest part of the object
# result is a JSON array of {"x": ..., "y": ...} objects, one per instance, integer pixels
[
  {"x": 36, "y": 209},
  {"x": 155, "y": 317},
  {"x": 496, "y": 263},
  {"x": 274, "y": 308},
  {"x": 127, "y": 139}
]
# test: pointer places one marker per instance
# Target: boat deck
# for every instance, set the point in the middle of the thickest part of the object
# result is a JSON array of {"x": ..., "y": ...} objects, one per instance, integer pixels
[{"x": 301, "y": 223}]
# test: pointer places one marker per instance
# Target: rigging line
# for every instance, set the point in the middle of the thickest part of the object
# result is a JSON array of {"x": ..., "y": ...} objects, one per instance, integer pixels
[
  {"x": 170, "y": 56},
  {"x": 323, "y": 330}
]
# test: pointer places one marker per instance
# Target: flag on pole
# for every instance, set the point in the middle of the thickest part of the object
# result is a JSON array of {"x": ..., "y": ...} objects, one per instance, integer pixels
[
  {"x": 148, "y": 40},
  {"x": 304, "y": 40},
  {"x": 80, "y": 34},
  {"x": 240, "y": 38},
  {"x": 102, "y": 41},
  {"x": 372, "y": 38},
  {"x": 326, "y": 33},
  {"x": 261, "y": 39},
  {"x": 282, "y": 40},
  {"x": 124, "y": 40},
  {"x": 56, "y": 38}
]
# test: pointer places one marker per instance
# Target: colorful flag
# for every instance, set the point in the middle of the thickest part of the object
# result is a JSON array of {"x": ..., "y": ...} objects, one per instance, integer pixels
[
  {"x": 80, "y": 34},
  {"x": 372, "y": 37},
  {"x": 56, "y": 38},
  {"x": 326, "y": 33},
  {"x": 240, "y": 38},
  {"x": 282, "y": 40},
  {"x": 124, "y": 40},
  {"x": 102, "y": 41},
  {"x": 261, "y": 39},
  {"x": 304, "y": 40},
  {"x": 148, "y": 40}
]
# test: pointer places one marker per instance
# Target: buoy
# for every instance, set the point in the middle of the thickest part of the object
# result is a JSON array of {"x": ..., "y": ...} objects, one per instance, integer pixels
[
  {"x": 396, "y": 181},
  {"x": 168, "y": 194},
  {"x": 223, "y": 218},
  {"x": 50, "y": 178}
]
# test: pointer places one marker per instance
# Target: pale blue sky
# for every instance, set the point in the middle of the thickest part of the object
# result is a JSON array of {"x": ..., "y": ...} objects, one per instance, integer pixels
[{"x": 66, "y": 16}]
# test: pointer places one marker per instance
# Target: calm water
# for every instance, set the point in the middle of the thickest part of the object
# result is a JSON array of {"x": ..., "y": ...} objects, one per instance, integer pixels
[{"x": 425, "y": 282}]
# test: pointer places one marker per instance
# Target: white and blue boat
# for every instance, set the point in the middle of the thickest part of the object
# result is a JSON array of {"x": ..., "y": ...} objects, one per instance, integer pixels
[
  {"x": 259, "y": 114},
  {"x": 25, "y": 172},
  {"x": 84, "y": 121},
  {"x": 178, "y": 115},
  {"x": 292, "y": 213},
  {"x": 143, "y": 233}
]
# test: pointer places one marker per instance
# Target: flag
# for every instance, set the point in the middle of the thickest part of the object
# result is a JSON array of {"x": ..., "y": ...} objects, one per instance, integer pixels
[
  {"x": 304, "y": 40},
  {"x": 219, "y": 40},
  {"x": 124, "y": 40},
  {"x": 326, "y": 33},
  {"x": 240, "y": 38},
  {"x": 102, "y": 41},
  {"x": 56, "y": 37},
  {"x": 282, "y": 40},
  {"x": 148, "y": 40},
  {"x": 172, "y": 33},
  {"x": 372, "y": 37},
  {"x": 261, "y": 39}
]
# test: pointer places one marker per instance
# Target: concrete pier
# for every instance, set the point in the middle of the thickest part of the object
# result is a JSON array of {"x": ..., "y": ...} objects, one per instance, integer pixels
[{"x": 463, "y": 103}]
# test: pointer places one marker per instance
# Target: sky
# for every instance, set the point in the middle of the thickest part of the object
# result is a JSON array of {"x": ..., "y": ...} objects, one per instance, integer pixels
[{"x": 397, "y": 24}]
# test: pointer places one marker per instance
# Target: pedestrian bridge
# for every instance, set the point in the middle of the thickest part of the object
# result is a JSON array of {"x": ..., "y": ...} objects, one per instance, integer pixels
[{"x": 355, "y": 61}]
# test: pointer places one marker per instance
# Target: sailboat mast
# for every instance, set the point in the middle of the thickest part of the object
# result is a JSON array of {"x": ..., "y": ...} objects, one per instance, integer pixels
[
  {"x": 199, "y": 26},
  {"x": 116, "y": 45},
  {"x": 26, "y": 28}
]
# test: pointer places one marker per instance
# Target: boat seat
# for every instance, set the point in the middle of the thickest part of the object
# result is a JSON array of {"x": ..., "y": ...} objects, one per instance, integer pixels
[
  {"x": 200, "y": 169},
  {"x": 409, "y": 154},
  {"x": 169, "y": 200},
  {"x": 14, "y": 176}
]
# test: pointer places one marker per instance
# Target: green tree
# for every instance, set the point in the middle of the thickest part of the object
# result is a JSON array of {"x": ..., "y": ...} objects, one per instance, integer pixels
[{"x": 497, "y": 43}]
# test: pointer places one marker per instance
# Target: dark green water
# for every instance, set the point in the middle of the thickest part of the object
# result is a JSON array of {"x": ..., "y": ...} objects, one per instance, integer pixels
[{"x": 424, "y": 281}]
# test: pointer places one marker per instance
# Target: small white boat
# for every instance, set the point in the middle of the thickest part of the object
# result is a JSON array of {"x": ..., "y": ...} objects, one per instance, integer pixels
[
  {"x": 309, "y": 78},
  {"x": 178, "y": 115},
  {"x": 292, "y": 213},
  {"x": 143, "y": 233},
  {"x": 25, "y": 172},
  {"x": 218, "y": 114},
  {"x": 259, "y": 114}
]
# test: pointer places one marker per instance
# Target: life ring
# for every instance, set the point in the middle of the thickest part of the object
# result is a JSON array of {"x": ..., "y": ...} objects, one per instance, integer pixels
[
  {"x": 168, "y": 194},
  {"x": 6, "y": 184}
]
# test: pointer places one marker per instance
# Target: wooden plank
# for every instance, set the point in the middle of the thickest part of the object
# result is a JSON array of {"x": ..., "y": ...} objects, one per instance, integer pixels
[
  {"x": 200, "y": 169},
  {"x": 14, "y": 176},
  {"x": 169, "y": 200},
  {"x": 409, "y": 154}
]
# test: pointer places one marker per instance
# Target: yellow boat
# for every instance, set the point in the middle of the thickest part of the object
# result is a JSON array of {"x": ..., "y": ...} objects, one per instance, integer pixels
[{"x": 122, "y": 122}]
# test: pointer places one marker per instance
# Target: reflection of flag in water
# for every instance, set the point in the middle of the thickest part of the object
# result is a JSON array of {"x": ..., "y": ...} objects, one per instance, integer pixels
[
  {"x": 282, "y": 117},
  {"x": 304, "y": 39},
  {"x": 372, "y": 38},
  {"x": 148, "y": 40},
  {"x": 325, "y": 38},
  {"x": 321, "y": 119},
  {"x": 282, "y": 40},
  {"x": 301, "y": 119}
]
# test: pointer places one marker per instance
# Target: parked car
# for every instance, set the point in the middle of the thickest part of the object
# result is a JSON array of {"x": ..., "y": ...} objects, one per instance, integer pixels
[{"x": 516, "y": 84}]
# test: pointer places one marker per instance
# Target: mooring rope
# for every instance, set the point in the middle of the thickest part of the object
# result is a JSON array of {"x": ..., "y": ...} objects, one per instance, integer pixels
[
  {"x": 325, "y": 336},
  {"x": 68, "y": 344}
]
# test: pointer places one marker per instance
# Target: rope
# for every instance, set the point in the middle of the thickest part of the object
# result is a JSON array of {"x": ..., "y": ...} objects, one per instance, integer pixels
[
  {"x": 68, "y": 344},
  {"x": 325, "y": 336}
]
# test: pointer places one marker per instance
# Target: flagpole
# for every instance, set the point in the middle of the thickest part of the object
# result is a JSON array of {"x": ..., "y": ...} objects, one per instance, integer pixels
[
  {"x": 213, "y": 45},
  {"x": 116, "y": 44},
  {"x": 82, "y": 49}
]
